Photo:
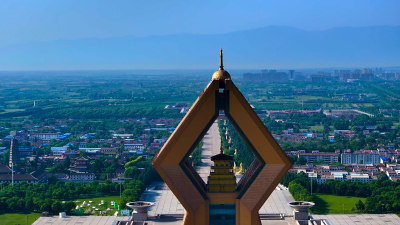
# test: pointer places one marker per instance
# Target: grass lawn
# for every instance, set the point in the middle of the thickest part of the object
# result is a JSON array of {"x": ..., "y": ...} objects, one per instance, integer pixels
[
  {"x": 317, "y": 128},
  {"x": 95, "y": 203},
  {"x": 332, "y": 204},
  {"x": 18, "y": 218}
]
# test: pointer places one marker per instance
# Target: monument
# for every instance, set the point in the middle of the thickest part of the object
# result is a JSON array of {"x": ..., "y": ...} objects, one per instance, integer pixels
[{"x": 221, "y": 201}]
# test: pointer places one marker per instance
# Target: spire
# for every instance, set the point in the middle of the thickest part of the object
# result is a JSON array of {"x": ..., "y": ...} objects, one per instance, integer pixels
[
  {"x": 221, "y": 63},
  {"x": 221, "y": 74}
]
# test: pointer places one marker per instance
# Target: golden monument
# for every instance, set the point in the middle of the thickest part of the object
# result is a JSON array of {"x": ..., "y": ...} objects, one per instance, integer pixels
[
  {"x": 221, "y": 201},
  {"x": 222, "y": 178}
]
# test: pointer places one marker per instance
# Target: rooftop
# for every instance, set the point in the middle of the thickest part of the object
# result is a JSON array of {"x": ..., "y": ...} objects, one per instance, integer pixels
[{"x": 333, "y": 219}]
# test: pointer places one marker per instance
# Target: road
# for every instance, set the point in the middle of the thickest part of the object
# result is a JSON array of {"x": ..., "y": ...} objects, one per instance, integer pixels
[{"x": 211, "y": 146}]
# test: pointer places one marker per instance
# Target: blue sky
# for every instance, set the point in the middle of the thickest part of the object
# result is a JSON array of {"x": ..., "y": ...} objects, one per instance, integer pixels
[
  {"x": 45, "y": 20},
  {"x": 117, "y": 34}
]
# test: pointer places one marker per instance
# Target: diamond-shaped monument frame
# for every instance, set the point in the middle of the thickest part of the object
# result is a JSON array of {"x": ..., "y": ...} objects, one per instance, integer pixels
[{"x": 260, "y": 179}]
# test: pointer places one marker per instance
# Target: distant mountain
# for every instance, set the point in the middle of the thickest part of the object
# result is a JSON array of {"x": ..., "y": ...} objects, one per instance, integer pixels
[{"x": 269, "y": 47}]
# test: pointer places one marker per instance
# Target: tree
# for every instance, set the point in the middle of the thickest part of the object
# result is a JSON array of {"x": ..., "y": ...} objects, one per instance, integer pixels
[
  {"x": 360, "y": 206},
  {"x": 56, "y": 207},
  {"x": 301, "y": 161},
  {"x": 46, "y": 205},
  {"x": 299, "y": 192},
  {"x": 68, "y": 206},
  {"x": 133, "y": 162},
  {"x": 28, "y": 204},
  {"x": 83, "y": 153},
  {"x": 67, "y": 162},
  {"x": 382, "y": 176},
  {"x": 131, "y": 172}
]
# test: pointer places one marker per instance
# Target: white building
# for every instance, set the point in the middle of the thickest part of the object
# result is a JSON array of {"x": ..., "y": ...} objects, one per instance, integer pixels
[
  {"x": 361, "y": 157},
  {"x": 81, "y": 177},
  {"x": 45, "y": 136},
  {"x": 58, "y": 151},
  {"x": 137, "y": 147},
  {"x": 359, "y": 177},
  {"x": 326, "y": 157}
]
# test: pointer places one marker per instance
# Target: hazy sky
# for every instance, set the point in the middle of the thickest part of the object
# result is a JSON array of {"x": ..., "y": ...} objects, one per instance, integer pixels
[{"x": 45, "y": 20}]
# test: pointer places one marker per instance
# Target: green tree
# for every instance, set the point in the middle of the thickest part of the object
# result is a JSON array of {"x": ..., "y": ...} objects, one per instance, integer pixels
[
  {"x": 301, "y": 161},
  {"x": 360, "y": 206},
  {"x": 56, "y": 207},
  {"x": 68, "y": 206},
  {"x": 382, "y": 176},
  {"x": 28, "y": 204},
  {"x": 83, "y": 153},
  {"x": 131, "y": 172},
  {"x": 299, "y": 192},
  {"x": 67, "y": 162}
]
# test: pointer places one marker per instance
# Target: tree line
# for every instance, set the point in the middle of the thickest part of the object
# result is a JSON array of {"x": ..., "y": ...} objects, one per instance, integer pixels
[
  {"x": 56, "y": 196},
  {"x": 243, "y": 154}
]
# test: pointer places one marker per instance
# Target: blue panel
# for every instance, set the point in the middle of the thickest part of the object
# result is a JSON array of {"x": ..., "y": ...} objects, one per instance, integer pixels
[{"x": 222, "y": 214}]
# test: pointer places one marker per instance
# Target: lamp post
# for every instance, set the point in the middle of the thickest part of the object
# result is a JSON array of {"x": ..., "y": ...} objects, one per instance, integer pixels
[
  {"x": 120, "y": 188},
  {"x": 12, "y": 174}
]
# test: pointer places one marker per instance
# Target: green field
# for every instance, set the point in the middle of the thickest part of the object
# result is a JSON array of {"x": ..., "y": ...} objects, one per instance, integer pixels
[
  {"x": 318, "y": 128},
  {"x": 332, "y": 204},
  {"x": 18, "y": 218},
  {"x": 95, "y": 203}
]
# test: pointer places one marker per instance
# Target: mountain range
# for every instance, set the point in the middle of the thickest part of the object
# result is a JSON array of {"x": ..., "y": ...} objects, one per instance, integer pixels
[{"x": 267, "y": 47}]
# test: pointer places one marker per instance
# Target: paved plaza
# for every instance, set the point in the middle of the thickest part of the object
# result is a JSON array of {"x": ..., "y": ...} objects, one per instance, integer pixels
[
  {"x": 344, "y": 219},
  {"x": 166, "y": 202},
  {"x": 360, "y": 219},
  {"x": 211, "y": 146}
]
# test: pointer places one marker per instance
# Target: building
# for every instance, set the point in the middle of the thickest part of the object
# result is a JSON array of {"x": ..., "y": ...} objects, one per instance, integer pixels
[
  {"x": 201, "y": 205},
  {"x": 360, "y": 157},
  {"x": 326, "y": 157},
  {"x": 383, "y": 160},
  {"x": 134, "y": 146},
  {"x": 6, "y": 176},
  {"x": 80, "y": 164},
  {"x": 109, "y": 151},
  {"x": 359, "y": 177},
  {"x": 122, "y": 135},
  {"x": 58, "y": 151},
  {"x": 45, "y": 136},
  {"x": 331, "y": 219},
  {"x": 222, "y": 178},
  {"x": 25, "y": 151},
  {"x": 267, "y": 75},
  {"x": 80, "y": 177}
]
